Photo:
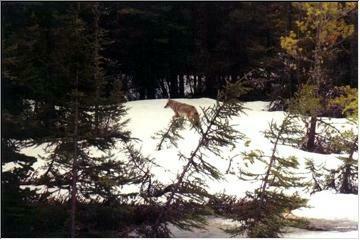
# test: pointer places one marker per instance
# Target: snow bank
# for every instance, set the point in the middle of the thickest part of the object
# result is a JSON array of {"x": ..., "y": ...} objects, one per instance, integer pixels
[
  {"x": 330, "y": 205},
  {"x": 300, "y": 233},
  {"x": 215, "y": 225}
]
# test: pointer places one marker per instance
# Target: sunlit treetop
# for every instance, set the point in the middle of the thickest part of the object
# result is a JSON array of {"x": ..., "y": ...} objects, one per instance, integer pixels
[{"x": 323, "y": 24}]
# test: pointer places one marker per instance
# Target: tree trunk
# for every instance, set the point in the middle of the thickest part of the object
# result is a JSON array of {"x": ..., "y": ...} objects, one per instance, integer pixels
[
  {"x": 75, "y": 142},
  {"x": 310, "y": 145},
  {"x": 345, "y": 188},
  {"x": 181, "y": 85},
  {"x": 151, "y": 92},
  {"x": 164, "y": 91},
  {"x": 173, "y": 85},
  {"x": 74, "y": 165},
  {"x": 265, "y": 183},
  {"x": 354, "y": 56},
  {"x": 293, "y": 78},
  {"x": 150, "y": 82},
  {"x": 345, "y": 185},
  {"x": 289, "y": 17},
  {"x": 196, "y": 84},
  {"x": 97, "y": 66}
]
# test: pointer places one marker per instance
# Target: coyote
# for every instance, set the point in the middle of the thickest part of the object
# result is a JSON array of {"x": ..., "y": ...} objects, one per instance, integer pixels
[{"x": 184, "y": 110}]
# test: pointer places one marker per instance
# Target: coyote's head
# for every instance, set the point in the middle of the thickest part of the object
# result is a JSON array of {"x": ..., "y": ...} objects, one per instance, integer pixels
[{"x": 168, "y": 103}]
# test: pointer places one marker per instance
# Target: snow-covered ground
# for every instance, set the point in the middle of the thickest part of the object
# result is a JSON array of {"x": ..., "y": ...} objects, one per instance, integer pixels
[
  {"x": 216, "y": 224},
  {"x": 149, "y": 116}
]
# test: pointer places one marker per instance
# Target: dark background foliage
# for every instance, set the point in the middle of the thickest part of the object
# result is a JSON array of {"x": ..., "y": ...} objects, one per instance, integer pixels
[{"x": 163, "y": 45}]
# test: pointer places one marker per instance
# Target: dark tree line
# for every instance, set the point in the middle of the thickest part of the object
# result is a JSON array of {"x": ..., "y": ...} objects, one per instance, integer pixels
[{"x": 165, "y": 48}]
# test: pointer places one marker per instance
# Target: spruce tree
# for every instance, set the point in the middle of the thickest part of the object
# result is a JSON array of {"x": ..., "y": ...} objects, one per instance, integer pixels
[
  {"x": 316, "y": 183},
  {"x": 326, "y": 137},
  {"x": 343, "y": 178},
  {"x": 320, "y": 30},
  {"x": 16, "y": 131},
  {"x": 263, "y": 212},
  {"x": 16, "y": 217},
  {"x": 348, "y": 171},
  {"x": 72, "y": 106},
  {"x": 73, "y": 165}
]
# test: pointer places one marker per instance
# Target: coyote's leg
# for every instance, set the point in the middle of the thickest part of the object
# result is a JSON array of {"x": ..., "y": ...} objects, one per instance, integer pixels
[
  {"x": 195, "y": 120},
  {"x": 176, "y": 115}
]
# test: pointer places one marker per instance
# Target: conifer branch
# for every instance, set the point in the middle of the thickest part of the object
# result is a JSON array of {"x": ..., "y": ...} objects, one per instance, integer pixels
[
  {"x": 272, "y": 160},
  {"x": 217, "y": 133},
  {"x": 172, "y": 132}
]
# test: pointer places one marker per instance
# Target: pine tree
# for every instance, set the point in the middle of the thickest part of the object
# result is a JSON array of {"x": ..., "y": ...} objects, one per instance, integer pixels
[
  {"x": 16, "y": 130},
  {"x": 328, "y": 138},
  {"x": 72, "y": 164},
  {"x": 348, "y": 172},
  {"x": 331, "y": 139},
  {"x": 344, "y": 178},
  {"x": 319, "y": 33},
  {"x": 263, "y": 212},
  {"x": 316, "y": 183},
  {"x": 307, "y": 105},
  {"x": 17, "y": 213}
]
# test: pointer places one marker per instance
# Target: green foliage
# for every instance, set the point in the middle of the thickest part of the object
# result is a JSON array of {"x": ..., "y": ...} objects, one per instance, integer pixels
[
  {"x": 265, "y": 219},
  {"x": 347, "y": 101},
  {"x": 42, "y": 219},
  {"x": 348, "y": 175},
  {"x": 317, "y": 183},
  {"x": 321, "y": 135},
  {"x": 263, "y": 212},
  {"x": 334, "y": 139},
  {"x": 292, "y": 131},
  {"x": 306, "y": 101},
  {"x": 85, "y": 116},
  {"x": 322, "y": 23},
  {"x": 16, "y": 171},
  {"x": 172, "y": 133},
  {"x": 219, "y": 42},
  {"x": 328, "y": 17},
  {"x": 314, "y": 45},
  {"x": 342, "y": 179}
]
